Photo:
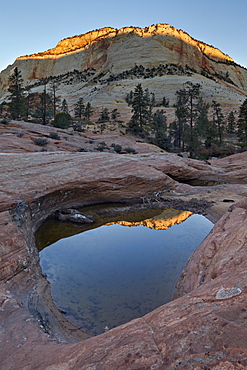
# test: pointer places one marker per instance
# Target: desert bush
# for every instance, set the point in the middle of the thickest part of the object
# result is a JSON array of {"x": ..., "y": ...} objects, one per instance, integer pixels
[
  {"x": 101, "y": 146},
  {"x": 117, "y": 147},
  {"x": 215, "y": 150},
  {"x": 41, "y": 141},
  {"x": 54, "y": 135},
  {"x": 5, "y": 121},
  {"x": 63, "y": 120},
  {"x": 130, "y": 150},
  {"x": 21, "y": 134}
]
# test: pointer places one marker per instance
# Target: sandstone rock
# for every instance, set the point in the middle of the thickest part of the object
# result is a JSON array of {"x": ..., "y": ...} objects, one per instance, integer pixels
[
  {"x": 98, "y": 67},
  {"x": 18, "y": 136},
  {"x": 204, "y": 328}
]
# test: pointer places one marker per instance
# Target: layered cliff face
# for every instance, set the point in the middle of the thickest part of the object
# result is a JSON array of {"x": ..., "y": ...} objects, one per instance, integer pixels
[{"x": 102, "y": 66}]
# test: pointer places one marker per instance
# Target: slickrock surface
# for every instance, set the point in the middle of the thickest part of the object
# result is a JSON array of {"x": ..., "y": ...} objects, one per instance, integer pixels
[
  {"x": 19, "y": 137},
  {"x": 204, "y": 328}
]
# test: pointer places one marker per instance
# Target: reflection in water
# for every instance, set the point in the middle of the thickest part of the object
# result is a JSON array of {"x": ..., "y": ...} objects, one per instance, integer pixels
[{"x": 107, "y": 276}]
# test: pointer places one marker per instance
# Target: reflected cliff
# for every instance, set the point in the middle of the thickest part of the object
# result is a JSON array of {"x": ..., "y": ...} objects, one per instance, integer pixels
[
  {"x": 166, "y": 219},
  {"x": 107, "y": 274},
  {"x": 107, "y": 214}
]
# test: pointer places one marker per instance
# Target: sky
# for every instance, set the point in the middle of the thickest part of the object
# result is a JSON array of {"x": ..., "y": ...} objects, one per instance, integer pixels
[{"x": 31, "y": 26}]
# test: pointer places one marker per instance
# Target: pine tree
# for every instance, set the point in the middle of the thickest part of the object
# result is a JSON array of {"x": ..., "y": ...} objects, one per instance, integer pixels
[
  {"x": 202, "y": 120},
  {"x": 115, "y": 114},
  {"x": 64, "y": 106},
  {"x": 55, "y": 100},
  {"x": 29, "y": 100},
  {"x": 210, "y": 134},
  {"x": 179, "y": 127},
  {"x": 218, "y": 119},
  {"x": 17, "y": 103},
  {"x": 129, "y": 98},
  {"x": 44, "y": 108},
  {"x": 188, "y": 97},
  {"x": 242, "y": 122},
  {"x": 159, "y": 126},
  {"x": 88, "y": 111},
  {"x": 231, "y": 123},
  {"x": 79, "y": 108},
  {"x": 165, "y": 102},
  {"x": 104, "y": 115},
  {"x": 141, "y": 112}
]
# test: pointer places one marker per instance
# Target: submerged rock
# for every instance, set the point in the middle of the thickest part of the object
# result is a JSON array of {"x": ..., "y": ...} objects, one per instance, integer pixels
[{"x": 72, "y": 215}]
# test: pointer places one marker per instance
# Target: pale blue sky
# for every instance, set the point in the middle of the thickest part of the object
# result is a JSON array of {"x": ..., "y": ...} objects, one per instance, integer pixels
[{"x": 30, "y": 26}]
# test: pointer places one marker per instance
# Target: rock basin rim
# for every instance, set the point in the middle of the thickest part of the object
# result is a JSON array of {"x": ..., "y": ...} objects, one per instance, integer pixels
[{"x": 203, "y": 326}]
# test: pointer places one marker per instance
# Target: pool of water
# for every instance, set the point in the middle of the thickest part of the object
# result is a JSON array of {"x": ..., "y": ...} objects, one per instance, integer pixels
[{"x": 105, "y": 276}]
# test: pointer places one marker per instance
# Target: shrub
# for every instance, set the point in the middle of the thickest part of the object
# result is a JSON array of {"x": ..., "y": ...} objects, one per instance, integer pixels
[
  {"x": 63, "y": 120},
  {"x": 41, "y": 141},
  {"x": 82, "y": 150},
  {"x": 130, "y": 150},
  {"x": 117, "y": 147},
  {"x": 54, "y": 135},
  {"x": 101, "y": 146},
  {"x": 5, "y": 121},
  {"x": 21, "y": 134}
]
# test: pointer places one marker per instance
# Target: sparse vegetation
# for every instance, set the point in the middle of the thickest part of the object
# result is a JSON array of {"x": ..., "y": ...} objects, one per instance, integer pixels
[
  {"x": 63, "y": 120},
  {"x": 41, "y": 141},
  {"x": 5, "y": 121},
  {"x": 130, "y": 150},
  {"x": 199, "y": 127},
  {"x": 101, "y": 146},
  {"x": 54, "y": 136},
  {"x": 117, "y": 148}
]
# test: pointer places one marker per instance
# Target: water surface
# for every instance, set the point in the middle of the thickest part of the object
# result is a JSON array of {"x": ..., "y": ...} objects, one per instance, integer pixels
[{"x": 103, "y": 277}]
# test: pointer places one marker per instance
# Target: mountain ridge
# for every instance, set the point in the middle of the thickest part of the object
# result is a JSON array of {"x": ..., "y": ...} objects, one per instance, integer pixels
[
  {"x": 79, "y": 42},
  {"x": 104, "y": 65}
]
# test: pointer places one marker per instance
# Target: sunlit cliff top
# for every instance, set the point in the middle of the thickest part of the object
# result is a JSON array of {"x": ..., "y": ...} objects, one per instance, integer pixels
[{"x": 79, "y": 42}]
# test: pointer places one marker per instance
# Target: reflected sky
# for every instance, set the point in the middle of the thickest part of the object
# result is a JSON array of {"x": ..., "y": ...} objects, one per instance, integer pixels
[{"x": 109, "y": 275}]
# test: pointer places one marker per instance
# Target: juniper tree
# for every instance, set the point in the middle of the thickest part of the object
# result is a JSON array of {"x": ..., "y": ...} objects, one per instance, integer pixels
[{"x": 63, "y": 120}]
